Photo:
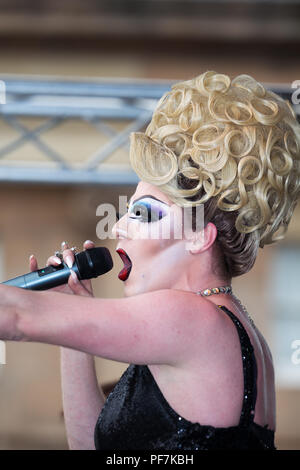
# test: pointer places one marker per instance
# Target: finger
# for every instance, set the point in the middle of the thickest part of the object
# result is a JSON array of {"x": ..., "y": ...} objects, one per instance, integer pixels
[
  {"x": 87, "y": 283},
  {"x": 76, "y": 286},
  {"x": 53, "y": 260},
  {"x": 68, "y": 257},
  {"x": 64, "y": 245},
  {"x": 88, "y": 244},
  {"x": 33, "y": 264}
]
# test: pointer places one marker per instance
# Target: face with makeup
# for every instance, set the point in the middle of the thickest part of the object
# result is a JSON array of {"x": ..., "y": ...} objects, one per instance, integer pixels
[
  {"x": 146, "y": 234},
  {"x": 152, "y": 236}
]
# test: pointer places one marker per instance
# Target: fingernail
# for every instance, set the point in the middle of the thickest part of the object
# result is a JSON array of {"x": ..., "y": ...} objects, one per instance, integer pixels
[
  {"x": 88, "y": 241},
  {"x": 74, "y": 277},
  {"x": 57, "y": 259},
  {"x": 69, "y": 261},
  {"x": 64, "y": 244},
  {"x": 31, "y": 256}
]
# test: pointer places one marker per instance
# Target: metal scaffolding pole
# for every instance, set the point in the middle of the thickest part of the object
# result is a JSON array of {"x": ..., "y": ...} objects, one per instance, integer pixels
[{"x": 56, "y": 101}]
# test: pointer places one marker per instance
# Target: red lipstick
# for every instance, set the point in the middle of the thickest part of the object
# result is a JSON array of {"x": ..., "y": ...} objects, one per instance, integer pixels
[{"x": 124, "y": 273}]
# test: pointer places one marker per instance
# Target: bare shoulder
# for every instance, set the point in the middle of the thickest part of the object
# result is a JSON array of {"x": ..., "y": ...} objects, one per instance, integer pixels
[
  {"x": 196, "y": 318},
  {"x": 177, "y": 304},
  {"x": 190, "y": 308},
  {"x": 182, "y": 317},
  {"x": 210, "y": 332}
]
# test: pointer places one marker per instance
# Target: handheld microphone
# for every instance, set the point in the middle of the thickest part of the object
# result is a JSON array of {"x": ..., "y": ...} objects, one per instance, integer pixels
[{"x": 88, "y": 264}]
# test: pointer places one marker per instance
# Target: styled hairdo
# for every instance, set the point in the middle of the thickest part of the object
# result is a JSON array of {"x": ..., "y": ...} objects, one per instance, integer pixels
[{"x": 233, "y": 146}]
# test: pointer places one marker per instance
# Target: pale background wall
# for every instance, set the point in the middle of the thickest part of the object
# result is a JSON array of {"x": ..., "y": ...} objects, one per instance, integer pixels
[{"x": 35, "y": 219}]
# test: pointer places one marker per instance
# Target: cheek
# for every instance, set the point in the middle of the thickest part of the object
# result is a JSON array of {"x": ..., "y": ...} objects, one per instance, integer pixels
[
  {"x": 147, "y": 250},
  {"x": 158, "y": 256},
  {"x": 142, "y": 231},
  {"x": 148, "y": 257},
  {"x": 164, "y": 232},
  {"x": 171, "y": 227}
]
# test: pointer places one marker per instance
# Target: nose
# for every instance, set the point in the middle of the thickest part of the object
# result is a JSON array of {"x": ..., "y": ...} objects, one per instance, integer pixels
[{"x": 119, "y": 230}]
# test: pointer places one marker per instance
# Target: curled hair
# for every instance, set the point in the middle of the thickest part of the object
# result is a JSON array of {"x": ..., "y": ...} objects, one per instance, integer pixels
[{"x": 233, "y": 146}]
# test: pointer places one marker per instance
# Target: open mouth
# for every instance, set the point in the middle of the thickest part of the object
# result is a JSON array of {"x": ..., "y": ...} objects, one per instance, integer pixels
[{"x": 124, "y": 273}]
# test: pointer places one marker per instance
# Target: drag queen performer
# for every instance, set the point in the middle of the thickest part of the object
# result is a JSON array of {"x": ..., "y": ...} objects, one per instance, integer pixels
[{"x": 201, "y": 373}]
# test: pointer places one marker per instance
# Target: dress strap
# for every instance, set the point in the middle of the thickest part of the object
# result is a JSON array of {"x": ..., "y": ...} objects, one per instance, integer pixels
[{"x": 249, "y": 370}]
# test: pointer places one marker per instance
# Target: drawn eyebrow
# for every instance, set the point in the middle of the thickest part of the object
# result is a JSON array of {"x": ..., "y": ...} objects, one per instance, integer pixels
[{"x": 145, "y": 196}]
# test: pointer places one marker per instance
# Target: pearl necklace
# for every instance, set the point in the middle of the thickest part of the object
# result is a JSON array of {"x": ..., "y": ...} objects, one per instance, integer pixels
[{"x": 225, "y": 290}]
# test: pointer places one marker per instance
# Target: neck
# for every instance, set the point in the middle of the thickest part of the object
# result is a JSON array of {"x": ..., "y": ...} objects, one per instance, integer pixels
[{"x": 196, "y": 285}]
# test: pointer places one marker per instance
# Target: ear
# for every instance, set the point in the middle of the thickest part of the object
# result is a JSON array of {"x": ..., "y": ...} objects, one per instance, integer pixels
[{"x": 203, "y": 239}]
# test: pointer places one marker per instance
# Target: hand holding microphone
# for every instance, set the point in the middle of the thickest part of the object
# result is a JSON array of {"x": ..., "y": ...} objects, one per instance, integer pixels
[
  {"x": 71, "y": 274},
  {"x": 67, "y": 256},
  {"x": 73, "y": 286}
]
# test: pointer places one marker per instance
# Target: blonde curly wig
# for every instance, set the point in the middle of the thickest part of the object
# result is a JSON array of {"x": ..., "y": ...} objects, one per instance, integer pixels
[{"x": 233, "y": 146}]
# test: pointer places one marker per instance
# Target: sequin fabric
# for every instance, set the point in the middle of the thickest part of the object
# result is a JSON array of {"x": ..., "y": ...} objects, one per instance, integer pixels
[{"x": 136, "y": 415}]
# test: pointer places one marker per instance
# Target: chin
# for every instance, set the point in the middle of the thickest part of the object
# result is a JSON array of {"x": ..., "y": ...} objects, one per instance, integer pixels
[
  {"x": 127, "y": 292},
  {"x": 131, "y": 289}
]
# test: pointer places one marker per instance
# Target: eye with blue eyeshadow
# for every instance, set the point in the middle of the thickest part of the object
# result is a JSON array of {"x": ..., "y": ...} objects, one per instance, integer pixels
[{"x": 146, "y": 212}]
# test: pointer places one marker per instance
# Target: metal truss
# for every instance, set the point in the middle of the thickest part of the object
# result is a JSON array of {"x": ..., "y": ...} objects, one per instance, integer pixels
[{"x": 95, "y": 102}]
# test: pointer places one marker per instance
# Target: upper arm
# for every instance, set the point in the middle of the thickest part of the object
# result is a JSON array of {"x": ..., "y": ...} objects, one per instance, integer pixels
[{"x": 149, "y": 328}]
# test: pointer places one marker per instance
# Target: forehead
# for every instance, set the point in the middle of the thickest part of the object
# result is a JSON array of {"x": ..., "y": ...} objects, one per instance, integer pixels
[{"x": 147, "y": 188}]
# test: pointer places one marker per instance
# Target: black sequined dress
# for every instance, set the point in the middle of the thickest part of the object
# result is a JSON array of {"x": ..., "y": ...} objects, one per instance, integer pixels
[{"x": 136, "y": 415}]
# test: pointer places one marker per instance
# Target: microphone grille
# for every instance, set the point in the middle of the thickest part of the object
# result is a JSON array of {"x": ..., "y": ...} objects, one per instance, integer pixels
[{"x": 94, "y": 262}]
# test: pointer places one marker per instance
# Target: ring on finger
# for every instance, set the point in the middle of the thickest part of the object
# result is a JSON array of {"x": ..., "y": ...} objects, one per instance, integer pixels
[{"x": 59, "y": 255}]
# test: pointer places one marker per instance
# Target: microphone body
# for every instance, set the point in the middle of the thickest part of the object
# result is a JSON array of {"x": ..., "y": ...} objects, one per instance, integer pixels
[{"x": 88, "y": 264}]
